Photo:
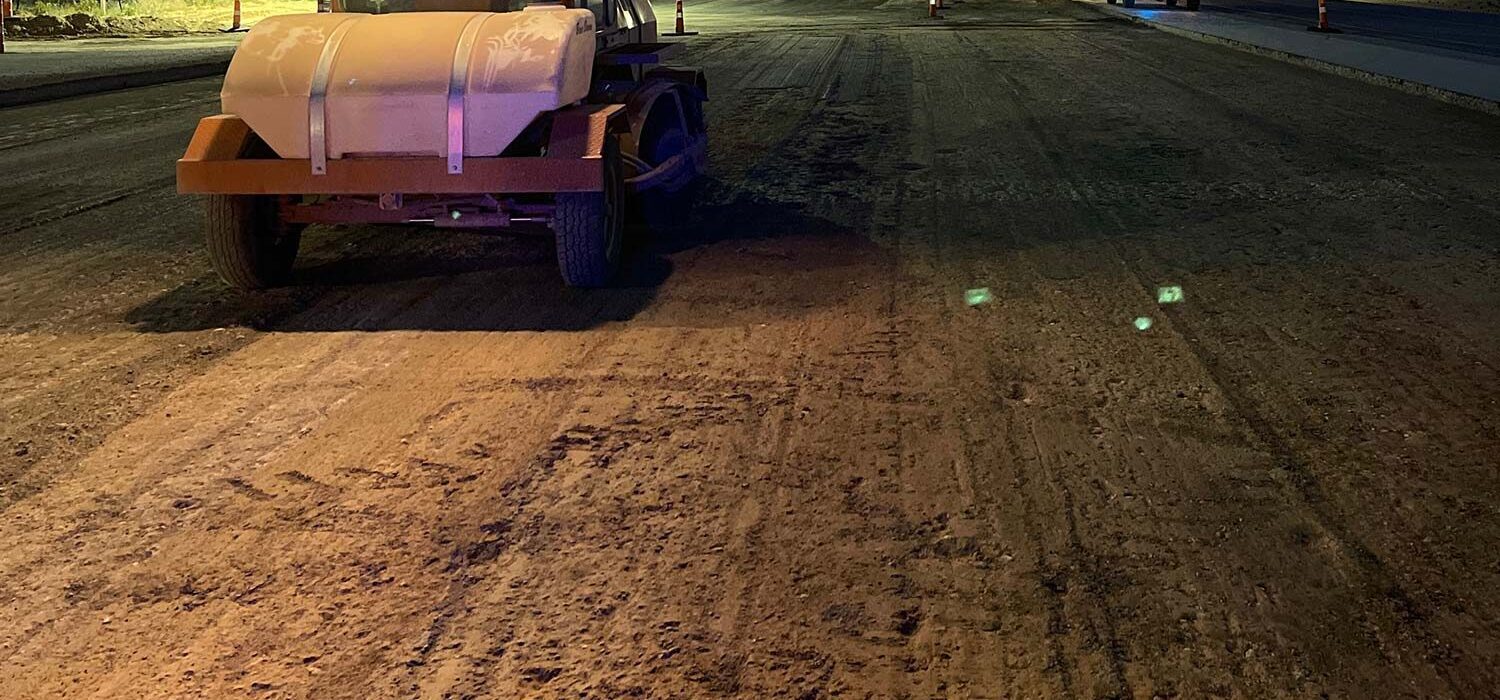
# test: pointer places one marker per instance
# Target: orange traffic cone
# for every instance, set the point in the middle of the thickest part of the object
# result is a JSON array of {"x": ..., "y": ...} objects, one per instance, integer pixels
[
  {"x": 1322, "y": 25},
  {"x": 4, "y": 12},
  {"x": 235, "y": 25},
  {"x": 681, "y": 26}
]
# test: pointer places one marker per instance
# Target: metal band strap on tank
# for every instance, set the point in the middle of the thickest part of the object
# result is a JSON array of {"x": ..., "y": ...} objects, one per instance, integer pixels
[
  {"x": 457, "y": 82},
  {"x": 317, "y": 100}
]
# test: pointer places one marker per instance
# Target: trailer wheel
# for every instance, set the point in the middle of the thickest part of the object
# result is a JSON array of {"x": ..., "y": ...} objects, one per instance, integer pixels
[
  {"x": 1129, "y": 3},
  {"x": 661, "y": 209},
  {"x": 590, "y": 227},
  {"x": 1192, "y": 5},
  {"x": 674, "y": 124},
  {"x": 248, "y": 244},
  {"x": 1171, "y": 3}
]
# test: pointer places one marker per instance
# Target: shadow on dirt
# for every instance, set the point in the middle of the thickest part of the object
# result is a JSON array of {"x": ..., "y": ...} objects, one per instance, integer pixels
[{"x": 403, "y": 278}]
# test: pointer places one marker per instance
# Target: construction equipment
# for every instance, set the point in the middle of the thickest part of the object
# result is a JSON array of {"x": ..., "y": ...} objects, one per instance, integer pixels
[{"x": 453, "y": 113}]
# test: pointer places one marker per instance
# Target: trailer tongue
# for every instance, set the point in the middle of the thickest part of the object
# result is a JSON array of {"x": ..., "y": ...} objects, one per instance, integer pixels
[{"x": 551, "y": 116}]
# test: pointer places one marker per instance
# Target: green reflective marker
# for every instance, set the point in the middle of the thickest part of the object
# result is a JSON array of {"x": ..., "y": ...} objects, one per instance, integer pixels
[
  {"x": 1143, "y": 323},
  {"x": 1168, "y": 295},
  {"x": 975, "y": 297}
]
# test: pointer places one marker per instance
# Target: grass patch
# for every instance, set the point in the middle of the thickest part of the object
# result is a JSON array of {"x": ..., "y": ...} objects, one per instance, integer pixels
[{"x": 187, "y": 14}]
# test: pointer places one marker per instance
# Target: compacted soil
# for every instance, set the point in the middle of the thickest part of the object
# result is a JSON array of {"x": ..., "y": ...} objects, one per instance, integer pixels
[{"x": 789, "y": 458}]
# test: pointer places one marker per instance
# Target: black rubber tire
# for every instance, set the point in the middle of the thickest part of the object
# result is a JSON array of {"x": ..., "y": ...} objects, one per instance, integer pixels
[
  {"x": 248, "y": 245},
  {"x": 1193, "y": 5},
  {"x": 1111, "y": 1},
  {"x": 1171, "y": 3},
  {"x": 1128, "y": 3},
  {"x": 590, "y": 227}
]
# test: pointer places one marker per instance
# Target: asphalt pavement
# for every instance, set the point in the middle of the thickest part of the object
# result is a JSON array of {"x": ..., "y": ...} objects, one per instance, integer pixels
[
  {"x": 35, "y": 70},
  {"x": 1464, "y": 34},
  {"x": 1445, "y": 54}
]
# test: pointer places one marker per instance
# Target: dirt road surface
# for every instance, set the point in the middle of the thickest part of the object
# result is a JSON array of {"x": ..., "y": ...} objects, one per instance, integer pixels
[{"x": 789, "y": 459}]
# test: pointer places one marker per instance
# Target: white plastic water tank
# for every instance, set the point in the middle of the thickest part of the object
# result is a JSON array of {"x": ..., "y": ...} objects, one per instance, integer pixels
[{"x": 388, "y": 77}]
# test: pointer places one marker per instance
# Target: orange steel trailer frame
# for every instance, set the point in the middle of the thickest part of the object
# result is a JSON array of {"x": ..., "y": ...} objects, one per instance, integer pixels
[{"x": 573, "y": 163}]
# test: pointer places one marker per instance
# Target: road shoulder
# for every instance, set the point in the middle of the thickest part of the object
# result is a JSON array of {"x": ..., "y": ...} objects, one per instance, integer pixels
[
  {"x": 38, "y": 71},
  {"x": 1469, "y": 80}
]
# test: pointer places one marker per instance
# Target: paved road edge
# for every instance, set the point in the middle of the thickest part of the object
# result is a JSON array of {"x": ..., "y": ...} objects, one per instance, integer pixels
[
  {"x": 1402, "y": 84},
  {"x": 47, "y": 92}
]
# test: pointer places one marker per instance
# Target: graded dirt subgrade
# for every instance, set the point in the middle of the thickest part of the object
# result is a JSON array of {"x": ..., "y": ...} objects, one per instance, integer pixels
[{"x": 799, "y": 454}]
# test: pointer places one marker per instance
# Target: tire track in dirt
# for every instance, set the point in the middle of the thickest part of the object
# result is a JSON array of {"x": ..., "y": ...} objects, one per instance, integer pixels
[
  {"x": 1427, "y": 182},
  {"x": 1074, "y": 572},
  {"x": 1051, "y": 147},
  {"x": 801, "y": 467},
  {"x": 1420, "y": 183},
  {"x": 1381, "y": 584},
  {"x": 96, "y": 201},
  {"x": 1037, "y": 129},
  {"x": 1305, "y": 141},
  {"x": 70, "y": 119},
  {"x": 231, "y": 435},
  {"x": 506, "y": 527}
]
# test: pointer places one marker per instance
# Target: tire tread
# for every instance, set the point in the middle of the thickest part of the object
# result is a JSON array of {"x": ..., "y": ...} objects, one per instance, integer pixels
[
  {"x": 234, "y": 228},
  {"x": 581, "y": 254}
]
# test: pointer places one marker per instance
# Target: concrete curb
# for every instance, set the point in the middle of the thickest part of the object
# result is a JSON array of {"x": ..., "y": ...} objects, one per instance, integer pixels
[
  {"x": 46, "y": 92},
  {"x": 1457, "y": 98}
]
